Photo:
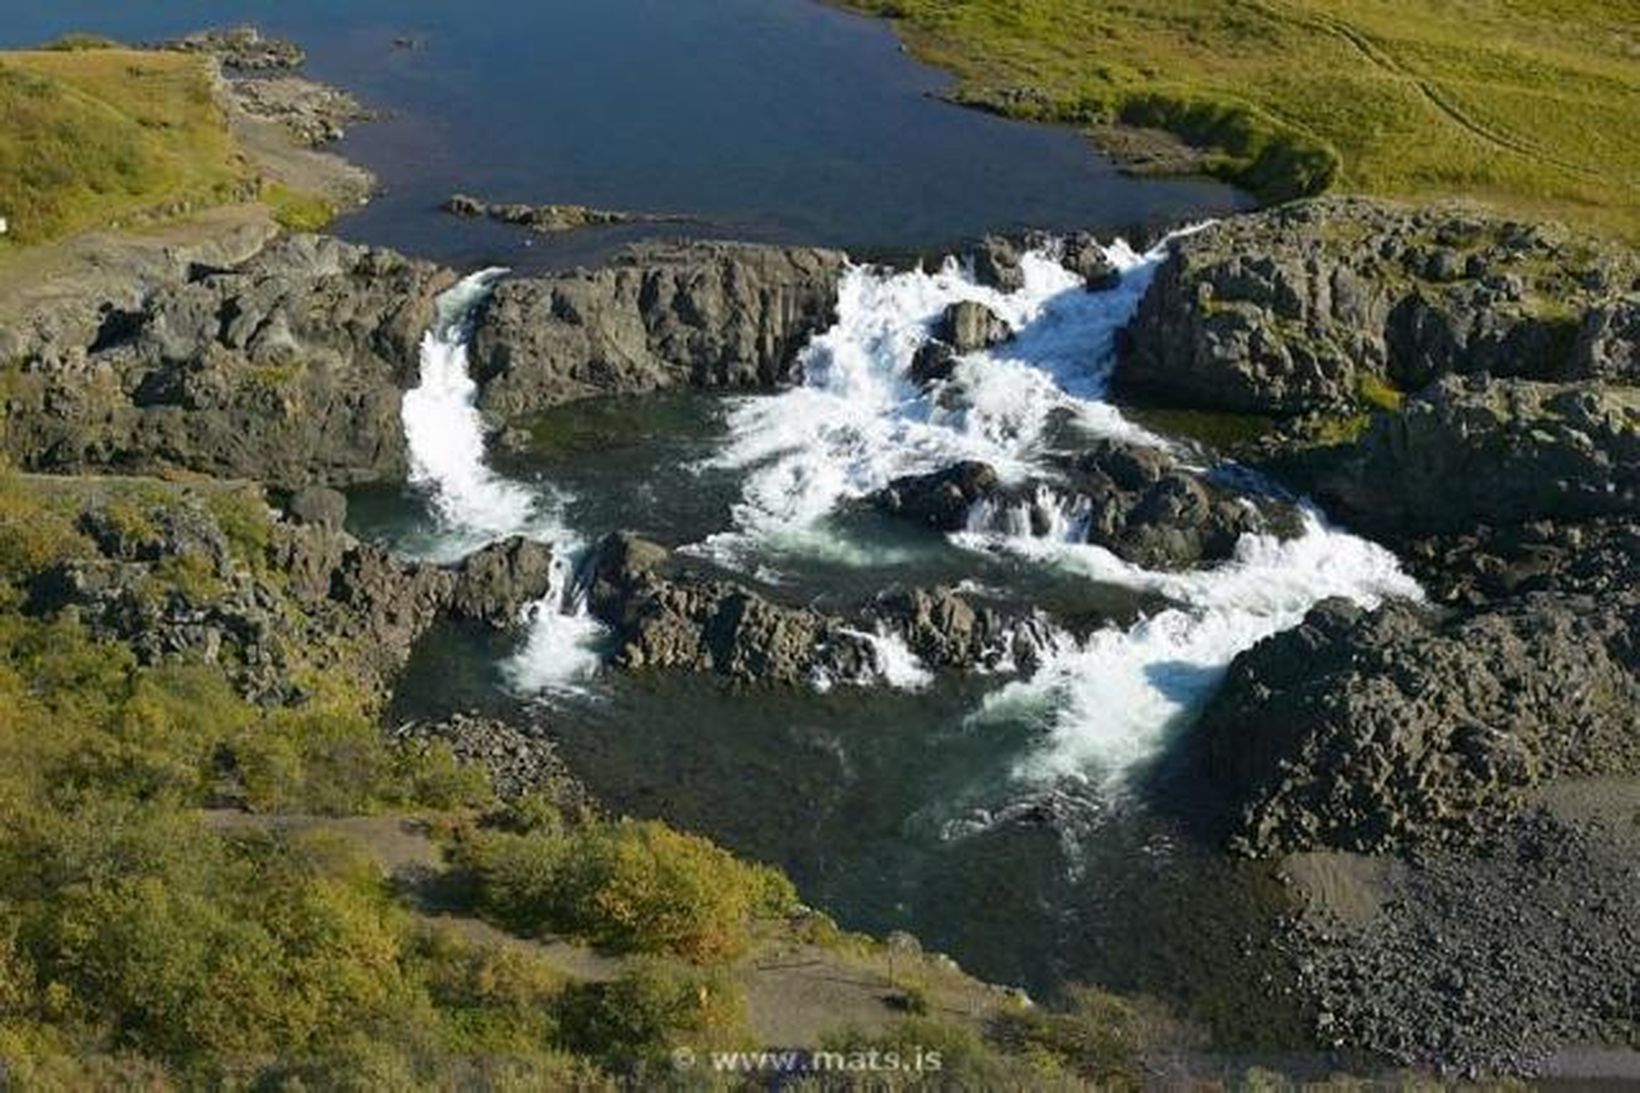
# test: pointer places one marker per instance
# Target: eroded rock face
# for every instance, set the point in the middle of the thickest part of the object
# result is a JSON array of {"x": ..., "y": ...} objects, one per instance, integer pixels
[
  {"x": 1319, "y": 304},
  {"x": 1374, "y": 730},
  {"x": 1471, "y": 450},
  {"x": 288, "y": 369},
  {"x": 707, "y": 314},
  {"x": 1134, "y": 501}
]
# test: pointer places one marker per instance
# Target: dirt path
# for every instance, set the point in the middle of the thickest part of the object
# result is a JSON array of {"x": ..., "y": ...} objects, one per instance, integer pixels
[{"x": 796, "y": 991}]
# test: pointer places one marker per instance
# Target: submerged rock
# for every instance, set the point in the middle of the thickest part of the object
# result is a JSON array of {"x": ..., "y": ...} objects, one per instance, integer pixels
[
  {"x": 707, "y": 314},
  {"x": 548, "y": 219},
  {"x": 1372, "y": 730}
]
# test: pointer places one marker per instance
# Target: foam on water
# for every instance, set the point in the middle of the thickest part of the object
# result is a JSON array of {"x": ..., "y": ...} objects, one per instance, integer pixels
[
  {"x": 1102, "y": 704},
  {"x": 475, "y": 506},
  {"x": 859, "y": 421}
]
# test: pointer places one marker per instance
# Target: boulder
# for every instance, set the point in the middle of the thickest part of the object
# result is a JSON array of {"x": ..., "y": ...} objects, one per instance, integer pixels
[
  {"x": 940, "y": 500},
  {"x": 996, "y": 264},
  {"x": 968, "y": 326},
  {"x": 496, "y": 585},
  {"x": 693, "y": 623},
  {"x": 1085, "y": 256},
  {"x": 1134, "y": 501}
]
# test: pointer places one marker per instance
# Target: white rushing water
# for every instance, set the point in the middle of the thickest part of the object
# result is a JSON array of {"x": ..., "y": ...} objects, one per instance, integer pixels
[
  {"x": 476, "y": 506},
  {"x": 1102, "y": 704}
]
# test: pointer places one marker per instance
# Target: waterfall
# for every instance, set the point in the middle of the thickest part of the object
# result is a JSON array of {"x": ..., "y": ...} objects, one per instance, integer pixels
[
  {"x": 474, "y": 506},
  {"x": 1104, "y": 703}
]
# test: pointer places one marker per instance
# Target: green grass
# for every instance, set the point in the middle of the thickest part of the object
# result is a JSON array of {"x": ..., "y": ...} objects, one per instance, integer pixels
[
  {"x": 94, "y": 137},
  {"x": 295, "y": 211},
  {"x": 1531, "y": 107}
]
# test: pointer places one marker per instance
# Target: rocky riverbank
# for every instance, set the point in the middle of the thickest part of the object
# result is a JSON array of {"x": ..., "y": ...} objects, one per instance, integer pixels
[{"x": 1463, "y": 388}]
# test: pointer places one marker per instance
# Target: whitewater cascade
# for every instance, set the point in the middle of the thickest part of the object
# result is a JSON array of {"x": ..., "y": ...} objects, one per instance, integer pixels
[
  {"x": 1102, "y": 704},
  {"x": 475, "y": 506}
]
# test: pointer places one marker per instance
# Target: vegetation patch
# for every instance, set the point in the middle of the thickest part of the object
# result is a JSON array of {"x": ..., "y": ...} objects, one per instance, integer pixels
[
  {"x": 299, "y": 212},
  {"x": 1532, "y": 107},
  {"x": 635, "y": 886},
  {"x": 98, "y": 136}
]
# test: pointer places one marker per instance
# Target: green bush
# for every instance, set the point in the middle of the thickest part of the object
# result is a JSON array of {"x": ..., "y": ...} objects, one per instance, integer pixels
[
  {"x": 633, "y": 1022},
  {"x": 634, "y": 885}
]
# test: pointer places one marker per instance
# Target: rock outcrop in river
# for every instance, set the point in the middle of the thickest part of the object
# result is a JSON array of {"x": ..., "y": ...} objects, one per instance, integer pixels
[
  {"x": 707, "y": 314},
  {"x": 1137, "y": 502}
]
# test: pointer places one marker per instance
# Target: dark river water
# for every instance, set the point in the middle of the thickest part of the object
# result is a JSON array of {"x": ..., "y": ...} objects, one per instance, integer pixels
[{"x": 781, "y": 120}]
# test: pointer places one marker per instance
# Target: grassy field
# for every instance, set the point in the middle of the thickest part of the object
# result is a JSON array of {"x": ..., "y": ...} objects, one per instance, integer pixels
[
  {"x": 1532, "y": 106},
  {"x": 98, "y": 136}
]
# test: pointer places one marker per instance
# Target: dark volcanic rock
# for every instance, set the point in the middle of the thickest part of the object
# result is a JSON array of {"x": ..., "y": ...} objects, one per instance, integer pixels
[
  {"x": 934, "y": 361},
  {"x": 318, "y": 506},
  {"x": 1316, "y": 305},
  {"x": 708, "y": 314},
  {"x": 244, "y": 49},
  {"x": 944, "y": 629},
  {"x": 177, "y": 572},
  {"x": 1469, "y": 450},
  {"x": 1608, "y": 343},
  {"x": 287, "y": 369},
  {"x": 1598, "y": 557},
  {"x": 547, "y": 219},
  {"x": 1372, "y": 730},
  {"x": 1136, "y": 502},
  {"x": 1489, "y": 959},
  {"x": 497, "y": 584},
  {"x": 519, "y": 755},
  {"x": 1085, "y": 256},
  {"x": 704, "y": 625},
  {"x": 968, "y": 326},
  {"x": 996, "y": 264},
  {"x": 940, "y": 500}
]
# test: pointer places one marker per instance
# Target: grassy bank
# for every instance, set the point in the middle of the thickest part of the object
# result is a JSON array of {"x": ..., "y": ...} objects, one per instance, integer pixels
[
  {"x": 1531, "y": 107},
  {"x": 95, "y": 137}
]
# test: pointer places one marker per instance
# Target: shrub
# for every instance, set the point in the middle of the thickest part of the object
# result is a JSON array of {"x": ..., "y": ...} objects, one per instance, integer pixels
[
  {"x": 633, "y": 1022},
  {"x": 634, "y": 885}
]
